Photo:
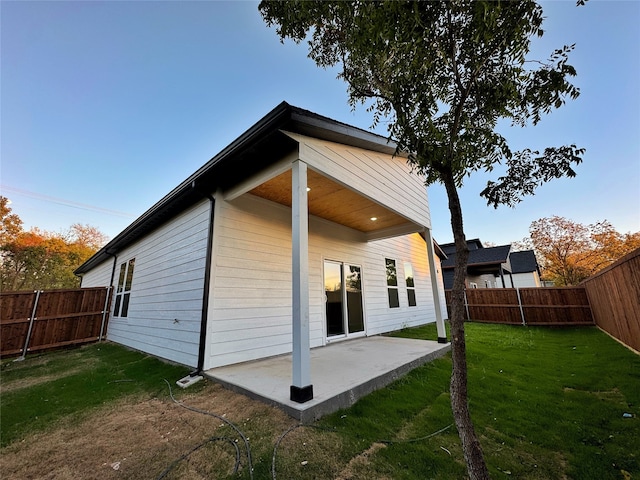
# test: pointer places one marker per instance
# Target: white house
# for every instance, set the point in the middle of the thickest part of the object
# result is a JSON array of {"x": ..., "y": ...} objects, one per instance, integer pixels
[
  {"x": 302, "y": 232},
  {"x": 525, "y": 271}
]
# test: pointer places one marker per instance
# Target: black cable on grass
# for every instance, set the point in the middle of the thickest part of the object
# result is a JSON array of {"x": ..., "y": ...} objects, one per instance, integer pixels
[
  {"x": 411, "y": 440},
  {"x": 275, "y": 447},
  {"x": 197, "y": 447},
  {"x": 219, "y": 417},
  {"x": 317, "y": 427}
]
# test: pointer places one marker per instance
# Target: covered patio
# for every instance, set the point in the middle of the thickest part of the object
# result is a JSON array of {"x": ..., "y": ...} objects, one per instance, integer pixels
[
  {"x": 342, "y": 372},
  {"x": 339, "y": 184}
]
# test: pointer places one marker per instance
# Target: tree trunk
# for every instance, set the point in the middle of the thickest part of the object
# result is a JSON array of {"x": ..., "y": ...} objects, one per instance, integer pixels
[{"x": 472, "y": 451}]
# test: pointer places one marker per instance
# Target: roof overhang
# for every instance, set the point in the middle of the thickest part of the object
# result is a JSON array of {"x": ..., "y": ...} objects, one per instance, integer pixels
[{"x": 260, "y": 146}]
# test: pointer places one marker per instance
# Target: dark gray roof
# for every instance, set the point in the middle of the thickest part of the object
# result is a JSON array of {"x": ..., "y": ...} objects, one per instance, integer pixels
[
  {"x": 258, "y": 147},
  {"x": 523, "y": 262},
  {"x": 479, "y": 256},
  {"x": 473, "y": 244},
  {"x": 489, "y": 255}
]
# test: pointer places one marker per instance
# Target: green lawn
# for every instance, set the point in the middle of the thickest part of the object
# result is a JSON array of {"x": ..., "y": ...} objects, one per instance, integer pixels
[
  {"x": 548, "y": 403},
  {"x": 545, "y": 402}
]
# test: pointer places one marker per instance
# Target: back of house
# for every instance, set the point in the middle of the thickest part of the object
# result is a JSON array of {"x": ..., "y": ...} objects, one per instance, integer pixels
[{"x": 301, "y": 222}]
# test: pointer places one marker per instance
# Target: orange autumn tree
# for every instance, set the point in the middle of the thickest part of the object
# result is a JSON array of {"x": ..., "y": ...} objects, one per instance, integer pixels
[
  {"x": 41, "y": 260},
  {"x": 569, "y": 252}
]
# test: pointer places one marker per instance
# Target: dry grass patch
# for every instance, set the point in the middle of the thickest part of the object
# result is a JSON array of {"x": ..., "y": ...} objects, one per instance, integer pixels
[
  {"x": 360, "y": 465},
  {"x": 140, "y": 439},
  {"x": 37, "y": 380}
]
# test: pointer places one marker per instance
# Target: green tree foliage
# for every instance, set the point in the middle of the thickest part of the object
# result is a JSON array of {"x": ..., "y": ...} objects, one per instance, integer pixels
[
  {"x": 442, "y": 74},
  {"x": 38, "y": 260},
  {"x": 10, "y": 223},
  {"x": 570, "y": 252}
]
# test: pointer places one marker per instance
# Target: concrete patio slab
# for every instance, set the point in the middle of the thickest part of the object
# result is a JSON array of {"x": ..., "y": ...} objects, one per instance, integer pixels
[{"x": 341, "y": 373}]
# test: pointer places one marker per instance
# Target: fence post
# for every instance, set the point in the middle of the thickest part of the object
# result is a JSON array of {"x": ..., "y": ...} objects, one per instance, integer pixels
[
  {"x": 466, "y": 305},
  {"x": 31, "y": 320},
  {"x": 104, "y": 313},
  {"x": 524, "y": 323}
]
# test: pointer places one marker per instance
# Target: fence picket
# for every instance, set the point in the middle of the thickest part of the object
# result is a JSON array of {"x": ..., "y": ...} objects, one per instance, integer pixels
[
  {"x": 614, "y": 295},
  {"x": 57, "y": 318},
  {"x": 534, "y": 306}
]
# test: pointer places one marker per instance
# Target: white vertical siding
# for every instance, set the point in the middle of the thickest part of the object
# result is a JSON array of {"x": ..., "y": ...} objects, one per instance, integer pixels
[
  {"x": 384, "y": 178},
  {"x": 166, "y": 296},
  {"x": 250, "y": 306},
  {"x": 526, "y": 280}
]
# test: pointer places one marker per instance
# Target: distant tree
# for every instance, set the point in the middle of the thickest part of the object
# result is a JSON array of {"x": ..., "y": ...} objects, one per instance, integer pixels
[
  {"x": 522, "y": 245},
  {"x": 86, "y": 236},
  {"x": 569, "y": 252},
  {"x": 10, "y": 223},
  {"x": 442, "y": 74},
  {"x": 39, "y": 260}
]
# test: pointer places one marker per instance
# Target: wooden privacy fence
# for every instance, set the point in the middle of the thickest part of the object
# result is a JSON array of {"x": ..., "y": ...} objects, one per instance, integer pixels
[
  {"x": 527, "y": 306},
  {"x": 41, "y": 320},
  {"x": 614, "y": 294}
]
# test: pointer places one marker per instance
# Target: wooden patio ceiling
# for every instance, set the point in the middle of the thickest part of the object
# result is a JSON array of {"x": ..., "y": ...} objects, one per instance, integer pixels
[{"x": 332, "y": 201}]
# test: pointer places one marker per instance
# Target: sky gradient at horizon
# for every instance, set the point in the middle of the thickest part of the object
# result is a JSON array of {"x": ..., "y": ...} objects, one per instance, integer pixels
[{"x": 107, "y": 106}]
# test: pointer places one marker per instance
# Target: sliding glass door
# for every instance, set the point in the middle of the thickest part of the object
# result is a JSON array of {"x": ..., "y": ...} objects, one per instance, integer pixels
[{"x": 343, "y": 298}]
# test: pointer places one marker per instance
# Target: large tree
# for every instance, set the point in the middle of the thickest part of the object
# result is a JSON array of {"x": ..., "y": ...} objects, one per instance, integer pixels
[
  {"x": 442, "y": 74},
  {"x": 10, "y": 223},
  {"x": 569, "y": 252},
  {"x": 40, "y": 260}
]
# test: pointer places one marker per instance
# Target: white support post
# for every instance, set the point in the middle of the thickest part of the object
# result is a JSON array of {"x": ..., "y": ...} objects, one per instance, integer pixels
[
  {"x": 442, "y": 332},
  {"x": 301, "y": 388}
]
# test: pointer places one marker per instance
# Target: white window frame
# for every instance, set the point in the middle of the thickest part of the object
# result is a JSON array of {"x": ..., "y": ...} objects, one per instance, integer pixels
[
  {"x": 411, "y": 289},
  {"x": 123, "y": 290},
  {"x": 390, "y": 286}
]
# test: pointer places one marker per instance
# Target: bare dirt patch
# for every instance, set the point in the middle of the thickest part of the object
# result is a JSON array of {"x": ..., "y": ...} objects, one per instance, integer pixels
[
  {"x": 140, "y": 438},
  {"x": 358, "y": 465}
]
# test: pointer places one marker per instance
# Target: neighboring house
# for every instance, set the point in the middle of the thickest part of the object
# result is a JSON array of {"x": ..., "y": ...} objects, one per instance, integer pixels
[
  {"x": 525, "y": 271},
  {"x": 301, "y": 232},
  {"x": 493, "y": 267}
]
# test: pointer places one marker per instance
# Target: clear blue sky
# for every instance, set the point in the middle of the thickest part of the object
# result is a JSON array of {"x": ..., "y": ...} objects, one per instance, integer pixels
[{"x": 106, "y": 106}]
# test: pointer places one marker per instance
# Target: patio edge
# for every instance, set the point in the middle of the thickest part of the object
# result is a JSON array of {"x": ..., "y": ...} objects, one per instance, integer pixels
[{"x": 343, "y": 400}]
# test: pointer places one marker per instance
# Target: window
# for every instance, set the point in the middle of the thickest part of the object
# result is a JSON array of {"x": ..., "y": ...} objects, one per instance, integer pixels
[
  {"x": 411, "y": 287},
  {"x": 392, "y": 283},
  {"x": 123, "y": 293}
]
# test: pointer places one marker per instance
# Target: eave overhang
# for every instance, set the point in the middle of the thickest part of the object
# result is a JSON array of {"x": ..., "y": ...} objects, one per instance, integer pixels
[{"x": 261, "y": 145}]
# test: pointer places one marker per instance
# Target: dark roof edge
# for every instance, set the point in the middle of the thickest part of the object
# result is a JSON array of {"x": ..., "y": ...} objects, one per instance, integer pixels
[
  {"x": 342, "y": 132},
  {"x": 436, "y": 247},
  {"x": 283, "y": 115},
  {"x": 438, "y": 251},
  {"x": 121, "y": 240}
]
